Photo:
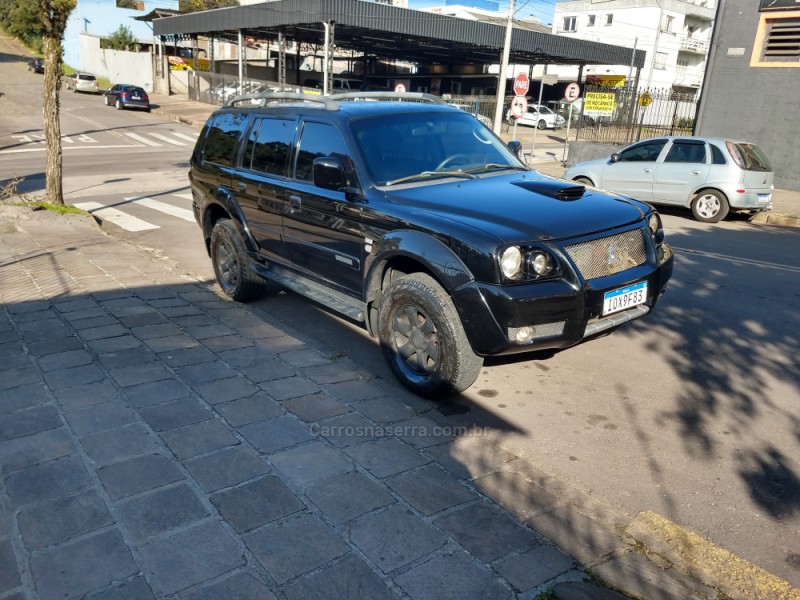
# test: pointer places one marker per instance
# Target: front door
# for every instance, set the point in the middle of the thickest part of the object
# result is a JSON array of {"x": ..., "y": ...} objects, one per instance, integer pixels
[{"x": 632, "y": 174}]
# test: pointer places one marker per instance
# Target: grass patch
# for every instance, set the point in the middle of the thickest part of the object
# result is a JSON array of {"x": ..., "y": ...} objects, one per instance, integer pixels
[{"x": 61, "y": 209}]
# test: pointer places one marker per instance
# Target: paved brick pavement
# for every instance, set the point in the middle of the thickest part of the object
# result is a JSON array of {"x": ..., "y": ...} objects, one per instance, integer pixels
[{"x": 159, "y": 441}]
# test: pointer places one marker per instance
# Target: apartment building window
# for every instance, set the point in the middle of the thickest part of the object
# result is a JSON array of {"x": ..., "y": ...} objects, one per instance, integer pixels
[
  {"x": 777, "y": 41},
  {"x": 591, "y": 20},
  {"x": 661, "y": 60},
  {"x": 609, "y": 18},
  {"x": 667, "y": 24},
  {"x": 570, "y": 23}
]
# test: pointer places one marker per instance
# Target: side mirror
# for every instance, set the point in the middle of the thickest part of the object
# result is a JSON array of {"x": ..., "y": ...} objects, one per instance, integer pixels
[
  {"x": 615, "y": 157},
  {"x": 329, "y": 173},
  {"x": 516, "y": 147}
]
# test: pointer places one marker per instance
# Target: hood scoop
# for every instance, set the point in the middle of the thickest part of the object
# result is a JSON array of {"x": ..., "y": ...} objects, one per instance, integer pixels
[{"x": 558, "y": 189}]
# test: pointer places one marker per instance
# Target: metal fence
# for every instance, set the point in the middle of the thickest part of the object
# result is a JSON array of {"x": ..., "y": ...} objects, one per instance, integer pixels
[{"x": 626, "y": 115}]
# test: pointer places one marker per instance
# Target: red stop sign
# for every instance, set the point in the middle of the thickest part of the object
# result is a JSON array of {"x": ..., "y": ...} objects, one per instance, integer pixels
[{"x": 521, "y": 84}]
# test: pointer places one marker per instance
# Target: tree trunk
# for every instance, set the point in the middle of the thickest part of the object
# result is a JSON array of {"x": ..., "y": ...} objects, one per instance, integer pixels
[
  {"x": 53, "y": 15},
  {"x": 52, "y": 122}
]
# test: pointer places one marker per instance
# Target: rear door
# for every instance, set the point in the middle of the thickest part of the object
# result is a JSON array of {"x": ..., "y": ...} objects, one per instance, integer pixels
[
  {"x": 322, "y": 228},
  {"x": 633, "y": 173},
  {"x": 683, "y": 170},
  {"x": 261, "y": 182}
]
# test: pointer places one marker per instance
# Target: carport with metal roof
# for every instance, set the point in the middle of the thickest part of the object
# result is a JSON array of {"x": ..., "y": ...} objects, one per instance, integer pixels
[{"x": 389, "y": 32}]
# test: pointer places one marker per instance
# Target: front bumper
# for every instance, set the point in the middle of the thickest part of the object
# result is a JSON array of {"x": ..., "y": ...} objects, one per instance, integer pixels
[{"x": 561, "y": 313}]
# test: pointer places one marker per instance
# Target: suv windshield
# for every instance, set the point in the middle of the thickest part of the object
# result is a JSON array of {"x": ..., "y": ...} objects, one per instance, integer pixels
[{"x": 400, "y": 146}]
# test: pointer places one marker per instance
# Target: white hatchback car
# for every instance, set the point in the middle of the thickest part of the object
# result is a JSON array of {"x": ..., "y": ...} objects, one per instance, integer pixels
[
  {"x": 82, "y": 82},
  {"x": 538, "y": 116},
  {"x": 712, "y": 176}
]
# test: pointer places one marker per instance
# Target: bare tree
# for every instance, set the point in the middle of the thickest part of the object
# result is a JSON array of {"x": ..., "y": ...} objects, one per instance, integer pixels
[{"x": 53, "y": 15}]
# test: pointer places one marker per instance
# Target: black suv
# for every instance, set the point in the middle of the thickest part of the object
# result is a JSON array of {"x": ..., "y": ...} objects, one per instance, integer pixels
[{"x": 412, "y": 217}]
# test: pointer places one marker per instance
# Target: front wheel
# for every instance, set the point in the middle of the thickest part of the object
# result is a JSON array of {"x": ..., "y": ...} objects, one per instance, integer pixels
[
  {"x": 105, "y": 101},
  {"x": 232, "y": 264},
  {"x": 710, "y": 206},
  {"x": 583, "y": 181},
  {"x": 423, "y": 340}
]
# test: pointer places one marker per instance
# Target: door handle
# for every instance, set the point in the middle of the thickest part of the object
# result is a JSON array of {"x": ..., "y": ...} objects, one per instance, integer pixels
[
  {"x": 242, "y": 186},
  {"x": 295, "y": 203},
  {"x": 646, "y": 170},
  {"x": 695, "y": 172}
]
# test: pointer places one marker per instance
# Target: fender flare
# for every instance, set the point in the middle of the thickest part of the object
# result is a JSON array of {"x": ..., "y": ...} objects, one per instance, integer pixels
[{"x": 223, "y": 198}]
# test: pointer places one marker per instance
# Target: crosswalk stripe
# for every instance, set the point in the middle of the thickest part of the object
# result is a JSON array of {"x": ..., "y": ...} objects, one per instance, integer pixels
[
  {"x": 185, "y": 196},
  {"x": 115, "y": 216},
  {"x": 142, "y": 139},
  {"x": 166, "y": 139},
  {"x": 183, "y": 136},
  {"x": 169, "y": 209}
]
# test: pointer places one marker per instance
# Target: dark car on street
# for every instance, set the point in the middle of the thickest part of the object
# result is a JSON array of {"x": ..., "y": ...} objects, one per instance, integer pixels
[
  {"x": 414, "y": 219},
  {"x": 124, "y": 95},
  {"x": 36, "y": 65}
]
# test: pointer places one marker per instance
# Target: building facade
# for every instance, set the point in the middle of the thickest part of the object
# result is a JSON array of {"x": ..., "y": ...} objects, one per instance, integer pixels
[
  {"x": 676, "y": 35},
  {"x": 752, "y": 87}
]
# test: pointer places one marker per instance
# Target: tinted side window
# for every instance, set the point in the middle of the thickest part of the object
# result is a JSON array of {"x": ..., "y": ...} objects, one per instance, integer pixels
[
  {"x": 318, "y": 140},
  {"x": 686, "y": 152},
  {"x": 223, "y": 131},
  {"x": 647, "y": 151},
  {"x": 268, "y": 146},
  {"x": 717, "y": 157}
]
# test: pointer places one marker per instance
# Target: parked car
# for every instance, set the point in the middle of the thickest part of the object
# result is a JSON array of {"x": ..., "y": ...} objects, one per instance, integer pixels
[
  {"x": 471, "y": 109},
  {"x": 82, "y": 82},
  {"x": 36, "y": 65},
  {"x": 414, "y": 219},
  {"x": 712, "y": 176},
  {"x": 124, "y": 95},
  {"x": 538, "y": 116}
]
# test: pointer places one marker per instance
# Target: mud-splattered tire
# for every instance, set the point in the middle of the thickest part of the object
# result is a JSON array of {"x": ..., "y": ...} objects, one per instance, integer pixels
[{"x": 423, "y": 340}]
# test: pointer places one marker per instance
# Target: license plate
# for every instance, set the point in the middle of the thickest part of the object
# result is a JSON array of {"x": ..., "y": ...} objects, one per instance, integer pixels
[
  {"x": 764, "y": 198},
  {"x": 624, "y": 298}
]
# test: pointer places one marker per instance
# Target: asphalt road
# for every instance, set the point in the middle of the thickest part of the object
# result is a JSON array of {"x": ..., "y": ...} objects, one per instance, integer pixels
[{"x": 692, "y": 413}]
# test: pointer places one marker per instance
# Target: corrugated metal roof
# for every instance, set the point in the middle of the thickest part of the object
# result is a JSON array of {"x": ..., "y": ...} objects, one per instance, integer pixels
[{"x": 392, "y": 32}]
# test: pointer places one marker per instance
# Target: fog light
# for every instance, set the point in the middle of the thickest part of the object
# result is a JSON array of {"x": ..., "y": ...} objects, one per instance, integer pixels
[{"x": 523, "y": 335}]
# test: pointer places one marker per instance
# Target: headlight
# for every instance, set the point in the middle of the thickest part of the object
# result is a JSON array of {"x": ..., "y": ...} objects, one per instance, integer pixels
[
  {"x": 541, "y": 263},
  {"x": 656, "y": 228},
  {"x": 511, "y": 262}
]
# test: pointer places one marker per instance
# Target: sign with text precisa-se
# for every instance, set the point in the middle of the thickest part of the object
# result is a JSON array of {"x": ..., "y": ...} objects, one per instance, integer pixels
[{"x": 599, "y": 104}]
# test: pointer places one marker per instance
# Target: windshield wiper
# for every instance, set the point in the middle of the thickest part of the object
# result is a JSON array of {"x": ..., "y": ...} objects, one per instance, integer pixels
[
  {"x": 428, "y": 174},
  {"x": 495, "y": 167}
]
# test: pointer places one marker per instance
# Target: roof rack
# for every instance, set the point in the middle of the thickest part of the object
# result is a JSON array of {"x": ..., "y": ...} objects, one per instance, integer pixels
[
  {"x": 264, "y": 98},
  {"x": 391, "y": 96}
]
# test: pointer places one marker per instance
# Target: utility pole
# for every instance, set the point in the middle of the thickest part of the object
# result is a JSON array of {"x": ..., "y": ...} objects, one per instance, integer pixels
[
  {"x": 655, "y": 45},
  {"x": 501, "y": 77}
]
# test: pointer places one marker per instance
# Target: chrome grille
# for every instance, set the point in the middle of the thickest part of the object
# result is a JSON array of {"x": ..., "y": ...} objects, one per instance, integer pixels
[{"x": 609, "y": 255}]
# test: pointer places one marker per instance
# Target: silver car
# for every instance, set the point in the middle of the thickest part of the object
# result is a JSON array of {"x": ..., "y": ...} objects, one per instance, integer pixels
[
  {"x": 82, "y": 82},
  {"x": 712, "y": 176}
]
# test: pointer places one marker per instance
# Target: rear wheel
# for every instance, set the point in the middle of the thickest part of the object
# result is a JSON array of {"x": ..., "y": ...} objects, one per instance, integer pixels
[
  {"x": 232, "y": 264},
  {"x": 119, "y": 104},
  {"x": 542, "y": 124},
  {"x": 710, "y": 206},
  {"x": 423, "y": 340}
]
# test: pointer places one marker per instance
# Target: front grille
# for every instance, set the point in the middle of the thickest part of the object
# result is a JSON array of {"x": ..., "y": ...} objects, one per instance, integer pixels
[{"x": 609, "y": 255}]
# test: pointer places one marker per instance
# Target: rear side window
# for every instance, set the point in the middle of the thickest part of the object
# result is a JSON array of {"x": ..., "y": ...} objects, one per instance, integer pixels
[
  {"x": 268, "y": 146},
  {"x": 223, "y": 132},
  {"x": 717, "y": 157},
  {"x": 686, "y": 152}
]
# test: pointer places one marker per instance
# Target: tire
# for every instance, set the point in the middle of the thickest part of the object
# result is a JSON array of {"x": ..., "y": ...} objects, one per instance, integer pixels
[
  {"x": 542, "y": 124},
  {"x": 119, "y": 104},
  {"x": 232, "y": 264},
  {"x": 710, "y": 206},
  {"x": 583, "y": 181},
  {"x": 147, "y": 109},
  {"x": 423, "y": 340},
  {"x": 105, "y": 101}
]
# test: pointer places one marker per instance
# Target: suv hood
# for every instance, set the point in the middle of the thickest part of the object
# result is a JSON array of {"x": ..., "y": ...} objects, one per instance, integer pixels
[{"x": 518, "y": 208}]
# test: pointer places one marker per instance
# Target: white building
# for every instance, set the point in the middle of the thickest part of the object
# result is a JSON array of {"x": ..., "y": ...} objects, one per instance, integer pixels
[{"x": 676, "y": 35}]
